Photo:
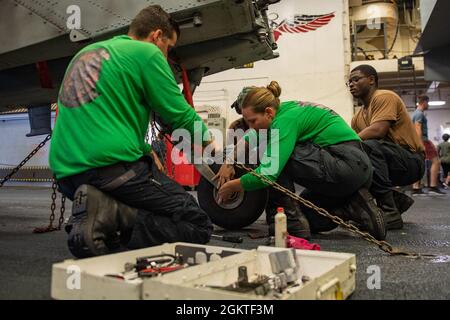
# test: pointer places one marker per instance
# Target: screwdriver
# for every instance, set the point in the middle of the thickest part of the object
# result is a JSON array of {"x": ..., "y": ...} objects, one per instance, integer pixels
[{"x": 232, "y": 239}]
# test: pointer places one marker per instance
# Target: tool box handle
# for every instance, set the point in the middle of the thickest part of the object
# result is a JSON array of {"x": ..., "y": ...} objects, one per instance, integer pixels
[{"x": 329, "y": 285}]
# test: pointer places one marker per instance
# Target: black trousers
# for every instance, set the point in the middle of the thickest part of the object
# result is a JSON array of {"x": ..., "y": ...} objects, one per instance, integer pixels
[
  {"x": 393, "y": 165},
  {"x": 166, "y": 212},
  {"x": 330, "y": 175},
  {"x": 445, "y": 169}
]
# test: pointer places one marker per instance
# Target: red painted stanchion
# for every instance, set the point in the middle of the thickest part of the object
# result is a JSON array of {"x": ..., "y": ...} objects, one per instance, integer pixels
[{"x": 185, "y": 174}]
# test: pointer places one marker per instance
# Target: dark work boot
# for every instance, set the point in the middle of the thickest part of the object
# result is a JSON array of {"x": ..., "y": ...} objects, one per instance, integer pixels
[
  {"x": 297, "y": 224},
  {"x": 392, "y": 215},
  {"x": 363, "y": 211},
  {"x": 99, "y": 223},
  {"x": 402, "y": 201}
]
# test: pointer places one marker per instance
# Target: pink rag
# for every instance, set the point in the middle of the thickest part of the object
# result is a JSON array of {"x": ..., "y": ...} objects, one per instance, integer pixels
[{"x": 300, "y": 243}]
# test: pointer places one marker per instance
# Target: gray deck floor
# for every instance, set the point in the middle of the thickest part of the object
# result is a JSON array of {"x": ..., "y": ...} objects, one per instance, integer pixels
[{"x": 26, "y": 258}]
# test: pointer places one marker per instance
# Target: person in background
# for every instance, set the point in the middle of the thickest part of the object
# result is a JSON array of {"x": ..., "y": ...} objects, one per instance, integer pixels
[
  {"x": 237, "y": 106},
  {"x": 444, "y": 155},
  {"x": 389, "y": 138},
  {"x": 420, "y": 121}
]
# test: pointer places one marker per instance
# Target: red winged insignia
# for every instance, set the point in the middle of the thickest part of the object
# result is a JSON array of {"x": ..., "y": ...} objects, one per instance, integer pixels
[{"x": 301, "y": 23}]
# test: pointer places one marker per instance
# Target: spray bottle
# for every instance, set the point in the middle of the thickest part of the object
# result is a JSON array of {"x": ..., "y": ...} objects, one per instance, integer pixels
[{"x": 280, "y": 228}]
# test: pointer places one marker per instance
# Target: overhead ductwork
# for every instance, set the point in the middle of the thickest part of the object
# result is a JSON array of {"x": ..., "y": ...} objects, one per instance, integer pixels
[
  {"x": 376, "y": 10},
  {"x": 375, "y": 25}
]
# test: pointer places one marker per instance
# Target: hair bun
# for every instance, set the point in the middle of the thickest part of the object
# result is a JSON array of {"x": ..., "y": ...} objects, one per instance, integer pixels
[{"x": 275, "y": 88}]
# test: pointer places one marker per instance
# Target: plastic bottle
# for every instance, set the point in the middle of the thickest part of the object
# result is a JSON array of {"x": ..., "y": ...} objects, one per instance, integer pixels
[{"x": 280, "y": 228}]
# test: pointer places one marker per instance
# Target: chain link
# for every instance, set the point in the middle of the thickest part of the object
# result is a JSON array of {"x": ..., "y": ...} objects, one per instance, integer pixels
[
  {"x": 383, "y": 245},
  {"x": 50, "y": 227},
  {"x": 24, "y": 161},
  {"x": 153, "y": 130},
  {"x": 53, "y": 206},
  {"x": 164, "y": 155},
  {"x": 62, "y": 210},
  {"x": 147, "y": 138},
  {"x": 163, "y": 159}
]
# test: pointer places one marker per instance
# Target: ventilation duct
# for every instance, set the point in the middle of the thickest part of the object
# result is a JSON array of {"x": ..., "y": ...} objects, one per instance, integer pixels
[{"x": 376, "y": 25}]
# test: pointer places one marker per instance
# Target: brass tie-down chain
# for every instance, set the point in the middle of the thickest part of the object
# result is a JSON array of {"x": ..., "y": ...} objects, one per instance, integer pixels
[{"x": 383, "y": 245}]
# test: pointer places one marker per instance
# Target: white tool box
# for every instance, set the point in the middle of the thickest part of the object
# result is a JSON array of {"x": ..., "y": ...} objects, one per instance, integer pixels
[{"x": 322, "y": 275}]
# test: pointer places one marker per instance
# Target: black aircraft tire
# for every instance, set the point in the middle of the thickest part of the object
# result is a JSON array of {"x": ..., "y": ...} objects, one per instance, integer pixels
[{"x": 248, "y": 211}]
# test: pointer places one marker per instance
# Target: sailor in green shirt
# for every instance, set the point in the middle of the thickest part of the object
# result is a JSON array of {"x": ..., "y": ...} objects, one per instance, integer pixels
[
  {"x": 98, "y": 151},
  {"x": 311, "y": 145}
]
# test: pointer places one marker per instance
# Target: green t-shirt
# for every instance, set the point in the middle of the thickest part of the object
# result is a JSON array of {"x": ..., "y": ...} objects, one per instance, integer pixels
[
  {"x": 105, "y": 101},
  {"x": 297, "y": 122}
]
